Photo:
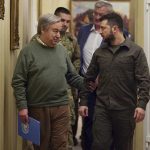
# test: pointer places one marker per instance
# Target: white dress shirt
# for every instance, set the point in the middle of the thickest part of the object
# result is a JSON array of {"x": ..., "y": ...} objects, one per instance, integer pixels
[{"x": 93, "y": 42}]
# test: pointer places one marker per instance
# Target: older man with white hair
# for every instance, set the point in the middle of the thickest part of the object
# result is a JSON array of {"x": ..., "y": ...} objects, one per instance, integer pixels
[{"x": 40, "y": 82}]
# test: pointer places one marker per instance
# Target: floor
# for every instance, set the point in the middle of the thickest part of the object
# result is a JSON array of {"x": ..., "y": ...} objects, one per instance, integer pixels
[{"x": 78, "y": 147}]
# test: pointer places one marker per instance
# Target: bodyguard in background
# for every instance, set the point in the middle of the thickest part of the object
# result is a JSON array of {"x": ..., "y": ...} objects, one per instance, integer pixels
[
  {"x": 89, "y": 40},
  {"x": 72, "y": 47}
]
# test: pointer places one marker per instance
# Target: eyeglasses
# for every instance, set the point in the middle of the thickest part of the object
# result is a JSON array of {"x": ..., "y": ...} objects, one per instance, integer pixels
[{"x": 98, "y": 14}]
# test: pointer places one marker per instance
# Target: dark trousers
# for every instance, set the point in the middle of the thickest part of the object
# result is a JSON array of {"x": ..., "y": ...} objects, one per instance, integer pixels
[
  {"x": 113, "y": 125},
  {"x": 87, "y": 137},
  {"x": 54, "y": 123}
]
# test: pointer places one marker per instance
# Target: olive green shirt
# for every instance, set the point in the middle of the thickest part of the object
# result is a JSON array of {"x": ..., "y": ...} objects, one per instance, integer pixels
[{"x": 124, "y": 80}]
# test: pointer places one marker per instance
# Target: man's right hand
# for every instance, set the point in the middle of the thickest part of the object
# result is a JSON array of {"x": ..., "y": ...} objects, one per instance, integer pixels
[
  {"x": 83, "y": 111},
  {"x": 92, "y": 86},
  {"x": 23, "y": 114}
]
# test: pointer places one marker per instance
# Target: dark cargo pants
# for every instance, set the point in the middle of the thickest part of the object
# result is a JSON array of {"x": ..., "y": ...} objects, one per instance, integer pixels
[
  {"x": 113, "y": 125},
  {"x": 87, "y": 137}
]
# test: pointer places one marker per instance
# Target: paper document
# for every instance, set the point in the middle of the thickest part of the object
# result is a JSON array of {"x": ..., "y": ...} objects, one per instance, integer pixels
[{"x": 31, "y": 131}]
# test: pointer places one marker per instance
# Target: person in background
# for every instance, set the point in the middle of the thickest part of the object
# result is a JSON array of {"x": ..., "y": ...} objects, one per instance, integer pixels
[
  {"x": 123, "y": 87},
  {"x": 89, "y": 40},
  {"x": 40, "y": 79},
  {"x": 70, "y": 43}
]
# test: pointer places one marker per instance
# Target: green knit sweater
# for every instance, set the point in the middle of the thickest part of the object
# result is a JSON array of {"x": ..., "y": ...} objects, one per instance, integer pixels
[{"x": 41, "y": 75}]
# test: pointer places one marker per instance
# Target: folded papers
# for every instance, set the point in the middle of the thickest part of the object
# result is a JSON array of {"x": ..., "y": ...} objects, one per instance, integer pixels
[{"x": 30, "y": 131}]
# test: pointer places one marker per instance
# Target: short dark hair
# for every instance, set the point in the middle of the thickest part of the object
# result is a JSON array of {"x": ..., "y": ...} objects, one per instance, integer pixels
[
  {"x": 113, "y": 19},
  {"x": 61, "y": 10}
]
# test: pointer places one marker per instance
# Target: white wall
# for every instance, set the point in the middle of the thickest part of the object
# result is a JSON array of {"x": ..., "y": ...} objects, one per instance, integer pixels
[{"x": 49, "y": 6}]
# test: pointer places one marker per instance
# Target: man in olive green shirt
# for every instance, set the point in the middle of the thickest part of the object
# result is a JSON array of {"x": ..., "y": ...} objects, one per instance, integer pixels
[
  {"x": 123, "y": 87},
  {"x": 40, "y": 84}
]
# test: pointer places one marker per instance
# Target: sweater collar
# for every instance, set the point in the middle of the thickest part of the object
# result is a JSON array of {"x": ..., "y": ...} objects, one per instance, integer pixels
[{"x": 40, "y": 41}]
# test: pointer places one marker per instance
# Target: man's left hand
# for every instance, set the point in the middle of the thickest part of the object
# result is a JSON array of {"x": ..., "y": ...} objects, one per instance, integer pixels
[{"x": 139, "y": 114}]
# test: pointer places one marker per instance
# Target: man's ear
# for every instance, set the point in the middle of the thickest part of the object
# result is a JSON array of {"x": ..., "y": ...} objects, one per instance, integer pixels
[
  {"x": 42, "y": 31},
  {"x": 115, "y": 29}
]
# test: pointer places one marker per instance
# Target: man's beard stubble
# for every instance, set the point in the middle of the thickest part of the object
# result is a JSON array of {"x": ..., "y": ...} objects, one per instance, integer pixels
[
  {"x": 110, "y": 38},
  {"x": 63, "y": 30}
]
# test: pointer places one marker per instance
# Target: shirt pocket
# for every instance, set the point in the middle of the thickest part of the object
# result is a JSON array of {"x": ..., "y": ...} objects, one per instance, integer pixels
[
  {"x": 125, "y": 63},
  {"x": 104, "y": 63}
]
